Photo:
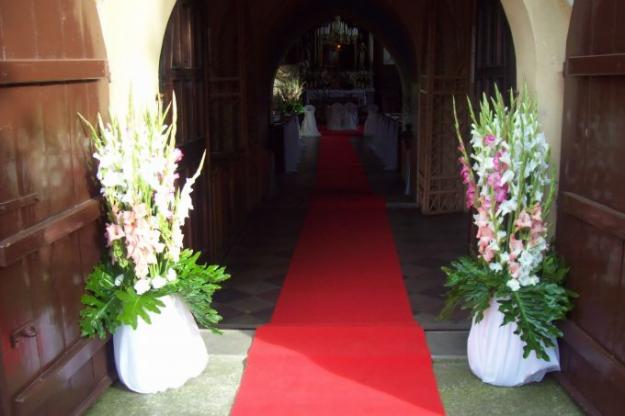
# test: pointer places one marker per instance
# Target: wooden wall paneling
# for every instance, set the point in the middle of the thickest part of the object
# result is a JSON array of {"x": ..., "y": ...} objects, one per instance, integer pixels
[
  {"x": 49, "y": 233},
  {"x": 591, "y": 209}
]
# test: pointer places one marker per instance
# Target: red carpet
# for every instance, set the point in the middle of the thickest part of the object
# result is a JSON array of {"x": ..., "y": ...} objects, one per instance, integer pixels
[{"x": 342, "y": 340}]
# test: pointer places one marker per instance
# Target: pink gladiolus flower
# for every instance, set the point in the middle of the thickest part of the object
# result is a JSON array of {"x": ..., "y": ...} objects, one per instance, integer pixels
[
  {"x": 464, "y": 173},
  {"x": 489, "y": 139},
  {"x": 537, "y": 230},
  {"x": 488, "y": 255},
  {"x": 499, "y": 165},
  {"x": 485, "y": 202},
  {"x": 177, "y": 155},
  {"x": 482, "y": 220},
  {"x": 537, "y": 213},
  {"x": 501, "y": 194},
  {"x": 470, "y": 196},
  {"x": 516, "y": 247},
  {"x": 493, "y": 179},
  {"x": 523, "y": 221},
  {"x": 514, "y": 268},
  {"x": 113, "y": 232}
]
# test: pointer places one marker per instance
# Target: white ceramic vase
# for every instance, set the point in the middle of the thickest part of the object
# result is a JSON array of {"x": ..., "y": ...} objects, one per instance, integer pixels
[
  {"x": 495, "y": 353},
  {"x": 161, "y": 355}
]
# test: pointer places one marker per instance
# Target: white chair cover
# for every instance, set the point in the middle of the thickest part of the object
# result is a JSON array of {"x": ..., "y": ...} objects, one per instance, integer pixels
[
  {"x": 336, "y": 116},
  {"x": 161, "y": 355},
  {"x": 292, "y": 145},
  {"x": 350, "y": 117},
  {"x": 390, "y": 145},
  {"x": 309, "y": 125},
  {"x": 372, "y": 113},
  {"x": 495, "y": 353},
  {"x": 408, "y": 175}
]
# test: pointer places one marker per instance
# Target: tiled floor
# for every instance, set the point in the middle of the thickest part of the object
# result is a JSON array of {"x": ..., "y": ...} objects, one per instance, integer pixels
[{"x": 260, "y": 258}]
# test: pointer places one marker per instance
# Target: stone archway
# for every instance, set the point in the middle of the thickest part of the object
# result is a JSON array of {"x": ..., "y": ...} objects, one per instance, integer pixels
[
  {"x": 133, "y": 53},
  {"x": 539, "y": 29}
]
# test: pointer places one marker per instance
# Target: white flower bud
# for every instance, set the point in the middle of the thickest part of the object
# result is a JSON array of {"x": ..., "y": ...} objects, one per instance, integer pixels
[{"x": 142, "y": 286}]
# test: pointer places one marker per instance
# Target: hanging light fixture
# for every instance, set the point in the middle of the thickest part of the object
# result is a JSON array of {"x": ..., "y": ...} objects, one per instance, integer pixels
[{"x": 337, "y": 33}]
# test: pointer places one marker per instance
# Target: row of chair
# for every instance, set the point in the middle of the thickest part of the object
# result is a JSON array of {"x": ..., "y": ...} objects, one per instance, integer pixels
[
  {"x": 381, "y": 134},
  {"x": 338, "y": 117},
  {"x": 342, "y": 116}
]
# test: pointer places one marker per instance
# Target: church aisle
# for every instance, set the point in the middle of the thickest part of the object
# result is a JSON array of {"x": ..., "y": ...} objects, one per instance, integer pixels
[{"x": 342, "y": 339}]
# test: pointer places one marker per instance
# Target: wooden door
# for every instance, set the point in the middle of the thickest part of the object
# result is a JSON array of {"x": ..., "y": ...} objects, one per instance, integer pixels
[
  {"x": 446, "y": 75},
  {"x": 591, "y": 209},
  {"x": 183, "y": 72},
  {"x": 203, "y": 61},
  {"x": 494, "y": 60},
  {"x": 52, "y": 66}
]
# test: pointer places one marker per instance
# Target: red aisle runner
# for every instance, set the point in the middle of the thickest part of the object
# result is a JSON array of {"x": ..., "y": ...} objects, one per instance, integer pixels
[{"x": 342, "y": 340}]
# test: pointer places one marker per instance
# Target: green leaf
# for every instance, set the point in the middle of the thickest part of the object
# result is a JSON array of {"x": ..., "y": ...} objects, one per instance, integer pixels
[
  {"x": 471, "y": 286},
  {"x": 100, "y": 303},
  {"x": 535, "y": 310},
  {"x": 197, "y": 283},
  {"x": 134, "y": 306}
]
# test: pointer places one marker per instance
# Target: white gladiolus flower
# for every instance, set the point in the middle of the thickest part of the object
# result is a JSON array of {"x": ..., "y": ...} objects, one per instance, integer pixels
[
  {"x": 119, "y": 279},
  {"x": 112, "y": 179},
  {"x": 142, "y": 286},
  {"x": 496, "y": 267},
  {"x": 158, "y": 282},
  {"x": 171, "y": 275},
  {"x": 513, "y": 284},
  {"x": 507, "y": 177},
  {"x": 507, "y": 207}
]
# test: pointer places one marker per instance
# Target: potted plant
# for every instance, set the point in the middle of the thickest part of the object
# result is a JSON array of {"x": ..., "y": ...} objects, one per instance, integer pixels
[
  {"x": 148, "y": 289},
  {"x": 513, "y": 286},
  {"x": 287, "y": 92}
]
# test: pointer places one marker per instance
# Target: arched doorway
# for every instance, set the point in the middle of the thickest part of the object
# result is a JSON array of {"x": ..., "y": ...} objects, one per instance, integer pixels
[
  {"x": 249, "y": 163},
  {"x": 221, "y": 59}
]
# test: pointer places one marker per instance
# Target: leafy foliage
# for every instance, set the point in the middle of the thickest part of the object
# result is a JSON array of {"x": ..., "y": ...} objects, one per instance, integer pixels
[
  {"x": 197, "y": 284},
  {"x": 101, "y": 306},
  {"x": 108, "y": 305},
  {"x": 534, "y": 309},
  {"x": 287, "y": 91},
  {"x": 471, "y": 285}
]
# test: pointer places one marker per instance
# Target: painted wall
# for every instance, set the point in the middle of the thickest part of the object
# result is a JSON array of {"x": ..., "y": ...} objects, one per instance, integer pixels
[{"x": 133, "y": 34}]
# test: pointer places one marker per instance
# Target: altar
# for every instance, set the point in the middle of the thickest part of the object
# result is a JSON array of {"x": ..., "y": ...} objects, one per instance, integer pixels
[{"x": 361, "y": 97}]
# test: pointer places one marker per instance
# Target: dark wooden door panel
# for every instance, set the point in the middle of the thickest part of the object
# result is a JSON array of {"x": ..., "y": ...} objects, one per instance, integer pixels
[
  {"x": 52, "y": 66},
  {"x": 203, "y": 62},
  {"x": 591, "y": 209},
  {"x": 494, "y": 59}
]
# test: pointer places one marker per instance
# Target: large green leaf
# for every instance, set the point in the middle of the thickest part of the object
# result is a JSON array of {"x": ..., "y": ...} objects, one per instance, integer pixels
[{"x": 135, "y": 306}]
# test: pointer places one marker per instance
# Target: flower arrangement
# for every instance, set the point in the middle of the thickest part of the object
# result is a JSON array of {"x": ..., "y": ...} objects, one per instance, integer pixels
[
  {"x": 511, "y": 187},
  {"x": 287, "y": 91},
  {"x": 145, "y": 213}
]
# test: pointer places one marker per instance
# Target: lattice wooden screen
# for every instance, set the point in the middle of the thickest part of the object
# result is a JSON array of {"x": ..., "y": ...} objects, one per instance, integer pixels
[{"x": 439, "y": 188}]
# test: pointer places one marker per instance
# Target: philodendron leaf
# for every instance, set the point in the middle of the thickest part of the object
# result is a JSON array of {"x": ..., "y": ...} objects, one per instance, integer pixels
[{"x": 135, "y": 306}]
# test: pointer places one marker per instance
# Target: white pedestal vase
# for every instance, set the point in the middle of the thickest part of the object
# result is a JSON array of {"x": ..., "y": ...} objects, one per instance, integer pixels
[
  {"x": 495, "y": 353},
  {"x": 161, "y": 355}
]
